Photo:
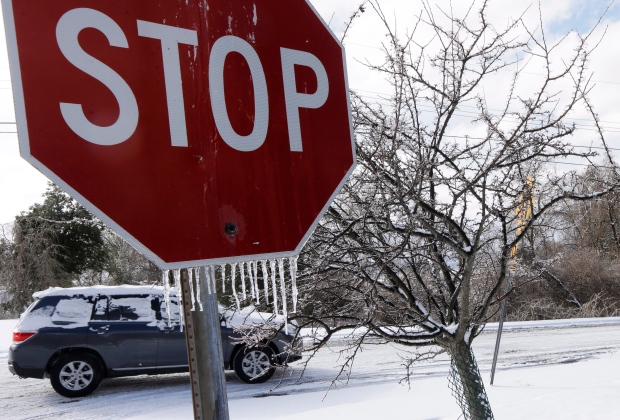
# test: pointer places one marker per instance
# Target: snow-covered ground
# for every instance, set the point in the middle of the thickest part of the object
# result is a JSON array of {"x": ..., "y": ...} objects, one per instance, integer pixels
[{"x": 547, "y": 370}]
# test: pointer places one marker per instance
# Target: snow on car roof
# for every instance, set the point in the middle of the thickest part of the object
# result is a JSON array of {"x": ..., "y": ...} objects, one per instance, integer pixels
[
  {"x": 102, "y": 290},
  {"x": 247, "y": 316}
]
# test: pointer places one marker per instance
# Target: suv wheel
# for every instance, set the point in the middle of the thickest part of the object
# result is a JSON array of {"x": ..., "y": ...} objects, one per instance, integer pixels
[
  {"x": 254, "y": 365},
  {"x": 76, "y": 374}
]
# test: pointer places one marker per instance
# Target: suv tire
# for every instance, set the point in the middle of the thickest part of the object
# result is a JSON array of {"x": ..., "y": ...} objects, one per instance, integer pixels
[
  {"x": 76, "y": 374},
  {"x": 254, "y": 365}
]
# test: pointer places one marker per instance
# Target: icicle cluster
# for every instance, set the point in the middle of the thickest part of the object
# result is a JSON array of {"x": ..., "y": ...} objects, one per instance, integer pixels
[
  {"x": 271, "y": 271},
  {"x": 176, "y": 275},
  {"x": 177, "y": 289},
  {"x": 166, "y": 281}
]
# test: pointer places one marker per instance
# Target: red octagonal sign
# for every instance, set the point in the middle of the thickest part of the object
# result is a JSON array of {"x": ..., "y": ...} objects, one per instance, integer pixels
[{"x": 201, "y": 131}]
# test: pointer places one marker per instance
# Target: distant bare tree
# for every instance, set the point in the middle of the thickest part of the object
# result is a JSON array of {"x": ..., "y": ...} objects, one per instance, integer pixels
[
  {"x": 594, "y": 224},
  {"x": 28, "y": 264},
  {"x": 417, "y": 247},
  {"x": 125, "y": 265},
  {"x": 571, "y": 263}
]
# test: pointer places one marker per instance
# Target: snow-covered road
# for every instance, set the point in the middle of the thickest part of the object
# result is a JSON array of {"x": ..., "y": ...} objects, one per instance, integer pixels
[{"x": 523, "y": 345}]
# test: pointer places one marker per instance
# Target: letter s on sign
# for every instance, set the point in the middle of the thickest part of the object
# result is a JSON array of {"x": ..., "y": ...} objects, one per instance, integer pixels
[{"x": 67, "y": 31}]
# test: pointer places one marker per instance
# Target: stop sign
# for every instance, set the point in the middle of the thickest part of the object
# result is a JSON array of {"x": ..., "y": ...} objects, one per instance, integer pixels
[{"x": 202, "y": 132}]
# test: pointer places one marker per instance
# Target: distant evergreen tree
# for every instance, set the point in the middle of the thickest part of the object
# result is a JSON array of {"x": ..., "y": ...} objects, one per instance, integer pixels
[
  {"x": 73, "y": 230},
  {"x": 54, "y": 244}
]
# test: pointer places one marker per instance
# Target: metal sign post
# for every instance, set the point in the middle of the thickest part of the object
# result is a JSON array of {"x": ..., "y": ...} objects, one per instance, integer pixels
[
  {"x": 524, "y": 212},
  {"x": 204, "y": 347},
  {"x": 499, "y": 329}
]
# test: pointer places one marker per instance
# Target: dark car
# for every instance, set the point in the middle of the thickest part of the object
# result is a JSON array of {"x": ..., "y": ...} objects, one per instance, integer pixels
[{"x": 78, "y": 336}]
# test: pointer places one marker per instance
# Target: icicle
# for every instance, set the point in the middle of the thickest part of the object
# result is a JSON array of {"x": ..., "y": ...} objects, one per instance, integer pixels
[
  {"x": 212, "y": 279},
  {"x": 292, "y": 266},
  {"x": 251, "y": 276},
  {"x": 265, "y": 280},
  {"x": 232, "y": 283},
  {"x": 255, "y": 270},
  {"x": 233, "y": 275},
  {"x": 166, "y": 273},
  {"x": 223, "y": 271},
  {"x": 242, "y": 273},
  {"x": 192, "y": 297},
  {"x": 272, "y": 265},
  {"x": 177, "y": 285},
  {"x": 198, "y": 294},
  {"x": 207, "y": 279},
  {"x": 283, "y": 291}
]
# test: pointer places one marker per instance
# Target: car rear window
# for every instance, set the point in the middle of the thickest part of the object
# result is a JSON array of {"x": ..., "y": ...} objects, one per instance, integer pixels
[{"x": 65, "y": 311}]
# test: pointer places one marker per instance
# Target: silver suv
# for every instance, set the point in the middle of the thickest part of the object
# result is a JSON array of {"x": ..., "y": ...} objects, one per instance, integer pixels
[{"x": 78, "y": 336}]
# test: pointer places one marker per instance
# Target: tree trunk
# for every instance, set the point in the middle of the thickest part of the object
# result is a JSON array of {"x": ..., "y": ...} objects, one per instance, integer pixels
[{"x": 467, "y": 386}]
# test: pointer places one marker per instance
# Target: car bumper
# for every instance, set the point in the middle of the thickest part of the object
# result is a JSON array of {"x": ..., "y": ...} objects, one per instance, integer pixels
[{"x": 16, "y": 369}]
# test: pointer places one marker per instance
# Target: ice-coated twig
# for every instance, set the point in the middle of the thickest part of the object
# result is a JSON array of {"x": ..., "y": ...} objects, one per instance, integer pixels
[{"x": 272, "y": 265}]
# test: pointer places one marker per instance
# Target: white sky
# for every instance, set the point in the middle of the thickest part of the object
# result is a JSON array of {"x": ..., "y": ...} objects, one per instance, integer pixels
[{"x": 21, "y": 185}]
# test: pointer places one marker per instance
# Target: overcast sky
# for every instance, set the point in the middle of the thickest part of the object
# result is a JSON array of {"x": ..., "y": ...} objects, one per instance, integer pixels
[{"x": 21, "y": 185}]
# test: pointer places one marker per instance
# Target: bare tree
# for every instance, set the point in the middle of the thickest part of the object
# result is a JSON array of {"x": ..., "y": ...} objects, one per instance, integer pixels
[
  {"x": 28, "y": 262},
  {"x": 125, "y": 265},
  {"x": 594, "y": 224},
  {"x": 417, "y": 247},
  {"x": 569, "y": 266}
]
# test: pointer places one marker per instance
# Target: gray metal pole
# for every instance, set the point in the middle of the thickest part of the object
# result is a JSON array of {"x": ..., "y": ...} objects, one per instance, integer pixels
[
  {"x": 500, "y": 328},
  {"x": 204, "y": 348}
]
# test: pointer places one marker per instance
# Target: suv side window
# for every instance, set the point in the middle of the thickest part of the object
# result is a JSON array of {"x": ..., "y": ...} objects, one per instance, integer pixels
[
  {"x": 131, "y": 308},
  {"x": 76, "y": 309},
  {"x": 100, "y": 309}
]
